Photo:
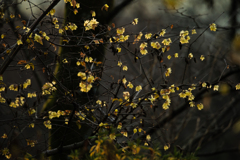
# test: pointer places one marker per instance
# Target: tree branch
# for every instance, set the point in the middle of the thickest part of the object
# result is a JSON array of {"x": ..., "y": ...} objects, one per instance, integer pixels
[
  {"x": 17, "y": 48},
  {"x": 54, "y": 151},
  {"x": 185, "y": 106}
]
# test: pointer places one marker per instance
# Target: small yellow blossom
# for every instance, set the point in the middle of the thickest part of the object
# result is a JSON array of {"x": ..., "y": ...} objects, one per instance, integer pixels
[
  {"x": 192, "y": 104},
  {"x": 202, "y": 57},
  {"x": 148, "y": 138},
  {"x": 165, "y": 147},
  {"x": 125, "y": 68},
  {"x": 190, "y": 55},
  {"x": 204, "y": 84},
  {"x": 130, "y": 85},
  {"x": 119, "y": 63},
  {"x": 194, "y": 31},
  {"x": 19, "y": 42},
  {"x": 200, "y": 106},
  {"x": 124, "y": 80},
  {"x": 216, "y": 87},
  {"x": 135, "y": 21},
  {"x": 168, "y": 72},
  {"x": 138, "y": 88},
  {"x": 148, "y": 36},
  {"x": 176, "y": 55},
  {"x": 162, "y": 33},
  {"x": 65, "y": 61},
  {"x": 126, "y": 95},
  {"x": 143, "y": 51},
  {"x": 155, "y": 45},
  {"x": 135, "y": 130},
  {"x": 238, "y": 86},
  {"x": 213, "y": 27}
]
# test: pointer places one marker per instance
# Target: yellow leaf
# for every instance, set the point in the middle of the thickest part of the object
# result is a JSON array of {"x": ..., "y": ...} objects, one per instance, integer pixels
[
  {"x": 19, "y": 42},
  {"x": 105, "y": 7},
  {"x": 135, "y": 21},
  {"x": 4, "y": 135},
  {"x": 93, "y": 13}
]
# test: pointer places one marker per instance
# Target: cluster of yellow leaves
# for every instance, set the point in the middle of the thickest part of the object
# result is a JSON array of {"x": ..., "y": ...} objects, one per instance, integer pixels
[
  {"x": 26, "y": 28},
  {"x": 143, "y": 51},
  {"x": 168, "y": 72},
  {"x": 44, "y": 35},
  {"x": 53, "y": 114},
  {"x": 90, "y": 24},
  {"x": 80, "y": 115},
  {"x": 187, "y": 93},
  {"x": 194, "y": 31},
  {"x": 4, "y": 136},
  {"x": 103, "y": 125},
  {"x": 73, "y": 3},
  {"x": 6, "y": 153},
  {"x": 72, "y": 26},
  {"x": 19, "y": 101},
  {"x": 165, "y": 93},
  {"x": 48, "y": 88},
  {"x": 155, "y": 45},
  {"x": 167, "y": 42},
  {"x": 126, "y": 95},
  {"x": 148, "y": 36},
  {"x": 184, "y": 38},
  {"x": 13, "y": 87},
  {"x": 47, "y": 124},
  {"x": 38, "y": 38},
  {"x": 52, "y": 12},
  {"x": 29, "y": 65},
  {"x": 55, "y": 20},
  {"x": 26, "y": 83},
  {"x": 120, "y": 37},
  {"x": 31, "y": 142},
  {"x": 86, "y": 85},
  {"x": 2, "y": 100},
  {"x": 213, "y": 27},
  {"x": 162, "y": 33},
  {"x": 31, "y": 111},
  {"x": 125, "y": 68},
  {"x": 120, "y": 31},
  {"x": 138, "y": 37},
  {"x": 31, "y": 95},
  {"x": 135, "y": 21},
  {"x": 2, "y": 15}
]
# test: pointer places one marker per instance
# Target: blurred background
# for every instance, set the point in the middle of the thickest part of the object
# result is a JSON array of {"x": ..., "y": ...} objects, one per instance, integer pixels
[{"x": 213, "y": 133}]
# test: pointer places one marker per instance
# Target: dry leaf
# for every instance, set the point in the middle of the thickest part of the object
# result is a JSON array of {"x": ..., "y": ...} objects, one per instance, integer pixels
[{"x": 22, "y": 62}]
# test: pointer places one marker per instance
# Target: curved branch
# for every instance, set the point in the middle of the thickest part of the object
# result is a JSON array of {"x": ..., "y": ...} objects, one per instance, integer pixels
[
  {"x": 185, "y": 106},
  {"x": 17, "y": 48}
]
